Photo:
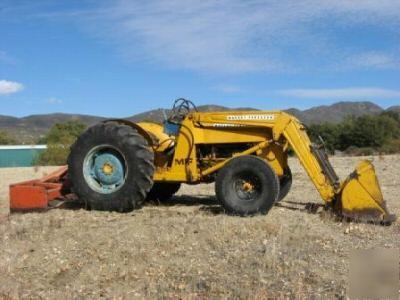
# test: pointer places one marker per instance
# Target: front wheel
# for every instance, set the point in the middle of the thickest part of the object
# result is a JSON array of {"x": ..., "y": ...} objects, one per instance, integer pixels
[
  {"x": 163, "y": 191},
  {"x": 285, "y": 184},
  {"x": 247, "y": 185}
]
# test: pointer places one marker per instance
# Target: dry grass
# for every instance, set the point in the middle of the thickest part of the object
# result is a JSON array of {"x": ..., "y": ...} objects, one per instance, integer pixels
[{"x": 190, "y": 249}]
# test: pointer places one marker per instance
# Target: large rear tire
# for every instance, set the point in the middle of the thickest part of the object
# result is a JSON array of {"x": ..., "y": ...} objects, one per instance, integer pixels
[
  {"x": 247, "y": 185},
  {"x": 111, "y": 167}
]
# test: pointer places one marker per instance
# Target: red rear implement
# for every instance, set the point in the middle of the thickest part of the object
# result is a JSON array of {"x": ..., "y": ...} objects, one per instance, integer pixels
[{"x": 37, "y": 194}]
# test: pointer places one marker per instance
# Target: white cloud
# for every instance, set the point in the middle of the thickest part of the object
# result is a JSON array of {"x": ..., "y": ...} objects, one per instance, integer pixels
[
  {"x": 228, "y": 88},
  {"x": 239, "y": 36},
  {"x": 6, "y": 58},
  {"x": 372, "y": 60},
  {"x": 10, "y": 87},
  {"x": 54, "y": 100},
  {"x": 236, "y": 36},
  {"x": 341, "y": 93}
]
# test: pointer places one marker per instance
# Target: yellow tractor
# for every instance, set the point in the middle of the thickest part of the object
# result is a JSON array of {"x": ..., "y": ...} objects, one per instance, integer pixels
[{"x": 117, "y": 164}]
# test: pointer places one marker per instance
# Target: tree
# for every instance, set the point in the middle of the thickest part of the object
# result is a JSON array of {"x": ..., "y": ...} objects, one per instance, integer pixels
[
  {"x": 392, "y": 114},
  {"x": 62, "y": 132},
  {"x": 368, "y": 131},
  {"x": 6, "y": 139},
  {"x": 59, "y": 139},
  {"x": 365, "y": 134},
  {"x": 328, "y": 132}
]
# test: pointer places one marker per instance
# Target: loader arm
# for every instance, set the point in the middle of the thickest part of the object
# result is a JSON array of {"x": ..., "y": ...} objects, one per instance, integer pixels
[
  {"x": 358, "y": 196},
  {"x": 313, "y": 159}
]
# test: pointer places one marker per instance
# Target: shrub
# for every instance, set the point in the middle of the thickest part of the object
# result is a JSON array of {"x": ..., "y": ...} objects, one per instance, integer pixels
[
  {"x": 367, "y": 131},
  {"x": 361, "y": 135},
  {"x": 328, "y": 132},
  {"x": 6, "y": 139},
  {"x": 391, "y": 147},
  {"x": 360, "y": 151},
  {"x": 59, "y": 139}
]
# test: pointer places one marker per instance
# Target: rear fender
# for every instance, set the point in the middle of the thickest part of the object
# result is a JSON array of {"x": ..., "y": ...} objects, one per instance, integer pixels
[
  {"x": 150, "y": 140},
  {"x": 276, "y": 158}
]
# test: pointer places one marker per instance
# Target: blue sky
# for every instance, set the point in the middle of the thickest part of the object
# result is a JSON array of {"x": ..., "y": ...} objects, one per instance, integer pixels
[{"x": 118, "y": 58}]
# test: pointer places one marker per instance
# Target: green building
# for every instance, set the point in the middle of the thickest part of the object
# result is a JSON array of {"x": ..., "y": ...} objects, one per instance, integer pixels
[{"x": 20, "y": 155}]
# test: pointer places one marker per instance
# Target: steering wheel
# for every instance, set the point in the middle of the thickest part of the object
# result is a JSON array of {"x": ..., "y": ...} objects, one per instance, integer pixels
[{"x": 181, "y": 109}]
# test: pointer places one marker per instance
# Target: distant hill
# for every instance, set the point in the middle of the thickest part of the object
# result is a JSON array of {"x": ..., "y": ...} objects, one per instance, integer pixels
[
  {"x": 29, "y": 129},
  {"x": 157, "y": 115},
  {"x": 335, "y": 113},
  {"x": 394, "y": 108}
]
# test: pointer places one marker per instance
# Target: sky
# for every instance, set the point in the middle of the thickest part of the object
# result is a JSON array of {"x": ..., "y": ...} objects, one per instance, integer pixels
[{"x": 119, "y": 58}]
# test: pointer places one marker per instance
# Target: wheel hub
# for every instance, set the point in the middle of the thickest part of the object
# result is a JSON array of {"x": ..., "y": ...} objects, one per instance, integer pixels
[
  {"x": 108, "y": 168},
  {"x": 104, "y": 169},
  {"x": 247, "y": 186}
]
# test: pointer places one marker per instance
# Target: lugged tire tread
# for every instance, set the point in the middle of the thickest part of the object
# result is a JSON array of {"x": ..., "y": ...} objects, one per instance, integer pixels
[
  {"x": 135, "y": 148},
  {"x": 239, "y": 207}
]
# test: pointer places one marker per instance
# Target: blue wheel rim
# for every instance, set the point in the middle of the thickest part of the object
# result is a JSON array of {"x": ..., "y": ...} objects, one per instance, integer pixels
[{"x": 105, "y": 169}]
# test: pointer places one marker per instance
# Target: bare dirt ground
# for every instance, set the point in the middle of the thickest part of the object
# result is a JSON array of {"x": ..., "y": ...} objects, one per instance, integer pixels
[{"x": 189, "y": 248}]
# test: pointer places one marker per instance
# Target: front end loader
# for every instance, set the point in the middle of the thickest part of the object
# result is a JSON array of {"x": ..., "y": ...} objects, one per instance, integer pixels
[{"x": 116, "y": 165}]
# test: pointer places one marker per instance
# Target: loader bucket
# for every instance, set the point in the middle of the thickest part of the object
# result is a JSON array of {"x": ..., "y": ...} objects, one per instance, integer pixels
[{"x": 361, "y": 197}]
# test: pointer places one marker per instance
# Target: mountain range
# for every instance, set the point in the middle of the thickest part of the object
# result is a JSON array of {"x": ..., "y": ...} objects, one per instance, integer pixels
[{"x": 29, "y": 129}]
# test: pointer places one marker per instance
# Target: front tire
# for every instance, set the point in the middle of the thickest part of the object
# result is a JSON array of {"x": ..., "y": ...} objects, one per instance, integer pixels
[
  {"x": 285, "y": 184},
  {"x": 111, "y": 167},
  {"x": 163, "y": 191},
  {"x": 247, "y": 185}
]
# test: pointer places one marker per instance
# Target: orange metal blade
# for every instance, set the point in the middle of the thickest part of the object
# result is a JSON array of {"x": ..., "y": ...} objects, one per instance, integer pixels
[
  {"x": 25, "y": 197},
  {"x": 36, "y": 194}
]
